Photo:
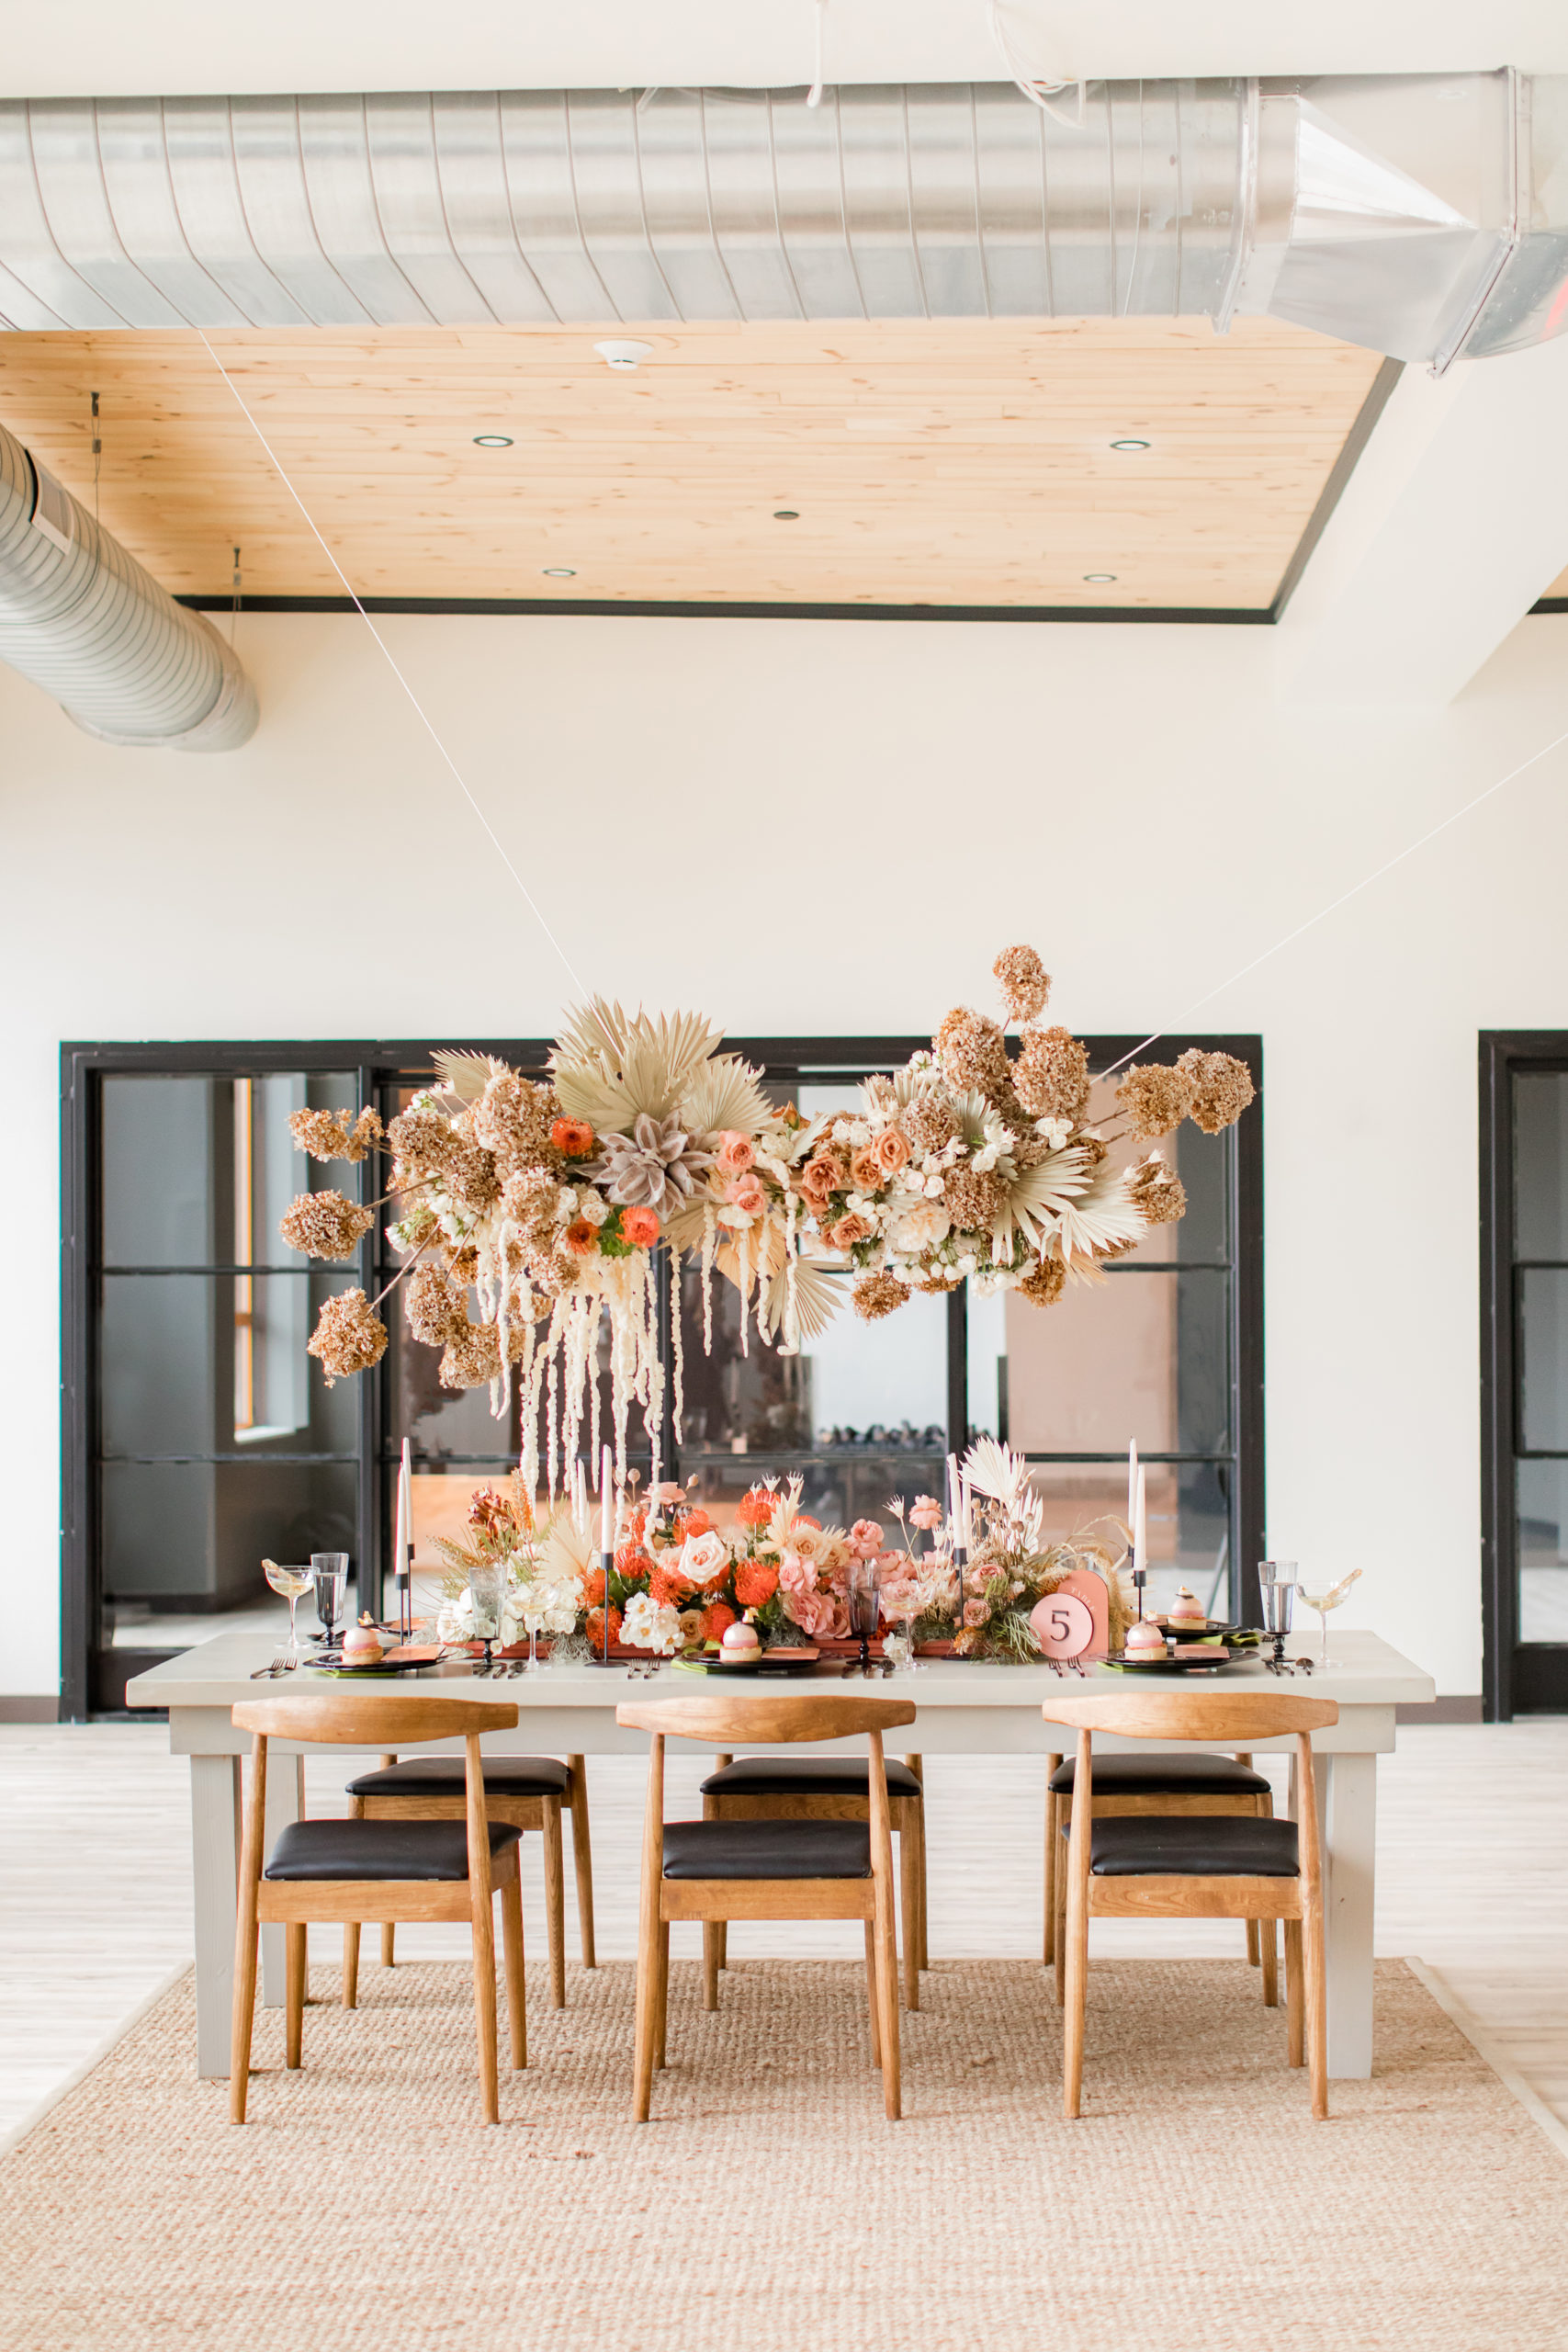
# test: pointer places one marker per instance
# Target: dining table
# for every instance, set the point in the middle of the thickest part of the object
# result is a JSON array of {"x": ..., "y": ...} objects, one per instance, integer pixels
[{"x": 966, "y": 1707}]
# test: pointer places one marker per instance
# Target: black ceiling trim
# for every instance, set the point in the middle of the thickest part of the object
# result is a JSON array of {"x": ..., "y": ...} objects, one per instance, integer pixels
[
  {"x": 1220, "y": 616},
  {"x": 1550, "y": 605}
]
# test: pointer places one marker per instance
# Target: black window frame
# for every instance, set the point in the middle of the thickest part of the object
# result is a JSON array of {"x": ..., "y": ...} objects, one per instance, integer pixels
[{"x": 93, "y": 1680}]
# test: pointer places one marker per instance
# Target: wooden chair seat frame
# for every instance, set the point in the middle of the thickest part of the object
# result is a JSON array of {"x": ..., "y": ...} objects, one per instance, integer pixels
[
  {"x": 739, "y": 1723},
  {"x": 1216, "y": 1718},
  {"x": 542, "y": 1813},
  {"x": 355, "y": 1720},
  {"x": 1261, "y": 1950},
  {"x": 907, "y": 1816}
]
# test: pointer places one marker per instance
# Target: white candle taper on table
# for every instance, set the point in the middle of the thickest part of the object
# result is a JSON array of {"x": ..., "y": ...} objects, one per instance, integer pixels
[
  {"x": 1132, "y": 1485},
  {"x": 1140, "y": 1524},
  {"x": 402, "y": 1552},
  {"x": 952, "y": 1499},
  {"x": 606, "y": 1525}
]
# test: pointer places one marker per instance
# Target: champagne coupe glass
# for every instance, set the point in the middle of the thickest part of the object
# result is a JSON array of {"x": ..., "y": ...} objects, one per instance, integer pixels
[
  {"x": 329, "y": 1570},
  {"x": 1324, "y": 1599},
  {"x": 487, "y": 1588},
  {"x": 290, "y": 1583},
  {"x": 863, "y": 1607}
]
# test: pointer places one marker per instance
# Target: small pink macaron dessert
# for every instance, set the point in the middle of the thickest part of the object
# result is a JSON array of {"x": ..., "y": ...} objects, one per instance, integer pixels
[
  {"x": 739, "y": 1645},
  {"x": 1145, "y": 1638},
  {"x": 362, "y": 1646}
]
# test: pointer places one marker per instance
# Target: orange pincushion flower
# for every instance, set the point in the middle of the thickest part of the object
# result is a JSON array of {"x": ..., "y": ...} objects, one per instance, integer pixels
[
  {"x": 593, "y": 1588},
  {"x": 804, "y": 1519},
  {"x": 669, "y": 1586},
  {"x": 756, "y": 1581},
  {"x": 631, "y": 1560},
  {"x": 581, "y": 1235},
  {"x": 572, "y": 1137},
  {"x": 715, "y": 1617},
  {"x": 636, "y": 1525},
  {"x": 639, "y": 1228},
  {"x": 596, "y": 1627},
  {"x": 697, "y": 1523},
  {"x": 755, "y": 1508}
]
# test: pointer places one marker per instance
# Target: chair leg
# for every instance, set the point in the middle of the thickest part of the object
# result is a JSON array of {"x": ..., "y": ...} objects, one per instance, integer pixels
[
  {"x": 247, "y": 1941},
  {"x": 351, "y": 1963},
  {"x": 1268, "y": 1937},
  {"x": 1059, "y": 1931},
  {"x": 647, "y": 2010},
  {"x": 909, "y": 1899},
  {"x": 1295, "y": 1992},
  {"x": 1073, "y": 1939},
  {"x": 517, "y": 1995},
  {"x": 662, "y": 2021},
  {"x": 294, "y": 1992},
  {"x": 888, "y": 2001},
  {"x": 1048, "y": 1948},
  {"x": 917, "y": 1765},
  {"x": 583, "y": 1857},
  {"x": 1263, "y": 1807},
  {"x": 484, "y": 1933},
  {"x": 710, "y": 1963},
  {"x": 723, "y": 1926},
  {"x": 388, "y": 1935},
  {"x": 554, "y": 1899},
  {"x": 873, "y": 2006},
  {"x": 1316, "y": 1991}
]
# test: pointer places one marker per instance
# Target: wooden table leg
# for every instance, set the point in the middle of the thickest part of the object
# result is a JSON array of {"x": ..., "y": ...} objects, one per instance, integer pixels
[{"x": 215, "y": 1844}]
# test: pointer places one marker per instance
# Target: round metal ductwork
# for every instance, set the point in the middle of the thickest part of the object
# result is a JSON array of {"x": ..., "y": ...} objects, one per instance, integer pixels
[{"x": 82, "y": 619}]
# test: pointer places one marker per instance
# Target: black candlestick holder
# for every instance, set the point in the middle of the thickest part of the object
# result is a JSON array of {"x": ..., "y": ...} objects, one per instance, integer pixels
[{"x": 607, "y": 1562}]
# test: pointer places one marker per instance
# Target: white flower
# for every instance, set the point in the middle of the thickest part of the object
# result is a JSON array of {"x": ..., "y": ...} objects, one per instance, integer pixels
[
  {"x": 454, "y": 1619},
  {"x": 593, "y": 1210},
  {"x": 859, "y": 1131},
  {"x": 841, "y": 1131},
  {"x": 968, "y": 1263},
  {"x": 566, "y": 1206},
  {"x": 648, "y": 1625},
  {"x": 933, "y": 1188},
  {"x": 920, "y": 1227},
  {"x": 985, "y": 1159}
]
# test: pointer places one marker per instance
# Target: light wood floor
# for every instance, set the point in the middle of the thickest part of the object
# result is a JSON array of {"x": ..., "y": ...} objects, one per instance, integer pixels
[{"x": 94, "y": 1902}]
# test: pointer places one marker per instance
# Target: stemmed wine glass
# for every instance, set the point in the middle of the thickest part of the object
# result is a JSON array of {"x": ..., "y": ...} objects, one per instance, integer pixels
[
  {"x": 1277, "y": 1583},
  {"x": 532, "y": 1603},
  {"x": 864, "y": 1606},
  {"x": 290, "y": 1583},
  {"x": 487, "y": 1588},
  {"x": 329, "y": 1570}
]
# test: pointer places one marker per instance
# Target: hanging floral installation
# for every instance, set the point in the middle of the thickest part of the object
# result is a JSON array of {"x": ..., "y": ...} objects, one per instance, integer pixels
[{"x": 528, "y": 1212}]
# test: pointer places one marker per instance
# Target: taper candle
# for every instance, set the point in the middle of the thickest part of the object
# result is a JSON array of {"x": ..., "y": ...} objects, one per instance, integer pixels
[
  {"x": 606, "y": 1525},
  {"x": 1140, "y": 1525}
]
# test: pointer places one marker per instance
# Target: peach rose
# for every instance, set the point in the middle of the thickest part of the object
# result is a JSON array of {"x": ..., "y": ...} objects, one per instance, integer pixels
[
  {"x": 639, "y": 1228},
  {"x": 813, "y": 1612},
  {"x": 820, "y": 1180},
  {"x": 796, "y": 1575},
  {"x": 747, "y": 1193},
  {"x": 866, "y": 1170},
  {"x": 851, "y": 1228},
  {"x": 865, "y": 1539},
  {"x": 892, "y": 1150},
  {"x": 737, "y": 1153},
  {"x": 927, "y": 1512}
]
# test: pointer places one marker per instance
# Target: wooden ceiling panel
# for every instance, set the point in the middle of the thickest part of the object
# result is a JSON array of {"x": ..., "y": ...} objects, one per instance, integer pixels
[{"x": 956, "y": 462}]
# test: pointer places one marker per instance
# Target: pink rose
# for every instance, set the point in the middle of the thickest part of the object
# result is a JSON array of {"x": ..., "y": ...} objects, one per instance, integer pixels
[
  {"x": 892, "y": 1150},
  {"x": 669, "y": 1493},
  {"x": 977, "y": 1612},
  {"x": 796, "y": 1575},
  {"x": 851, "y": 1228},
  {"x": 747, "y": 1193},
  {"x": 865, "y": 1539},
  {"x": 813, "y": 1612},
  {"x": 736, "y": 1152},
  {"x": 927, "y": 1512}
]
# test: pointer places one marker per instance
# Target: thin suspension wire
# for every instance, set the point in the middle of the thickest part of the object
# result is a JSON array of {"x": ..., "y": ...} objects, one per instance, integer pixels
[
  {"x": 1179, "y": 1020},
  {"x": 387, "y": 656}
]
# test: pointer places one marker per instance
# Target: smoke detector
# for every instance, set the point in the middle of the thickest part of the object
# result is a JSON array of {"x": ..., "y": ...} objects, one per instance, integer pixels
[{"x": 623, "y": 355}]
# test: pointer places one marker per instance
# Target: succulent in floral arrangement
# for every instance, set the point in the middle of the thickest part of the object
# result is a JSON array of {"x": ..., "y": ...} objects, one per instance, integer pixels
[{"x": 657, "y": 1166}]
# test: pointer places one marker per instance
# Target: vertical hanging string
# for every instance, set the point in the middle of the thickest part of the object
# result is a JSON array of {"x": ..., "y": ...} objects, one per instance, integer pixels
[
  {"x": 235, "y": 612},
  {"x": 814, "y": 95},
  {"x": 97, "y": 460}
]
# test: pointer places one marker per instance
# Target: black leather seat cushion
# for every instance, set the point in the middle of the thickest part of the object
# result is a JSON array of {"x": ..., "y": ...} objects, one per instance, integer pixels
[
  {"x": 379, "y": 1849},
  {"x": 1165, "y": 1773},
  {"x": 767, "y": 1849},
  {"x": 442, "y": 1776},
  {"x": 1138, "y": 1845},
  {"x": 805, "y": 1776}
]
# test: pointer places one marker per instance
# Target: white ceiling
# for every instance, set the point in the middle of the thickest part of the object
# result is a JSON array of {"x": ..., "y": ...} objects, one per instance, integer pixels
[{"x": 101, "y": 48}]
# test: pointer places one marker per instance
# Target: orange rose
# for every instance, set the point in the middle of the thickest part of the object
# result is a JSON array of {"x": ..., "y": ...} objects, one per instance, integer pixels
[
  {"x": 756, "y": 1581},
  {"x": 892, "y": 1150},
  {"x": 574, "y": 1137},
  {"x": 639, "y": 1227},
  {"x": 866, "y": 1170},
  {"x": 851, "y": 1228},
  {"x": 715, "y": 1617},
  {"x": 581, "y": 1235}
]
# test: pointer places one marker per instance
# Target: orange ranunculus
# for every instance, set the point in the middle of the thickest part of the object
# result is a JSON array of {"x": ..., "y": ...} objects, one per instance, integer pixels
[
  {"x": 572, "y": 1137},
  {"x": 715, "y": 1617},
  {"x": 596, "y": 1628},
  {"x": 756, "y": 1581},
  {"x": 755, "y": 1508},
  {"x": 639, "y": 1228},
  {"x": 581, "y": 1235},
  {"x": 669, "y": 1586}
]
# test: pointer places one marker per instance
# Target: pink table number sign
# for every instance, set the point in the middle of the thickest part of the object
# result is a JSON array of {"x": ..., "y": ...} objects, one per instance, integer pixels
[{"x": 1075, "y": 1619}]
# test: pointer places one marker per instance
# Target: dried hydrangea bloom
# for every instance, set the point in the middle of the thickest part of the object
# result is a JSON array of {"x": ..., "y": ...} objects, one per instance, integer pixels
[
  {"x": 423, "y": 1143},
  {"x": 1042, "y": 1286},
  {"x": 1222, "y": 1087},
  {"x": 939, "y": 1281},
  {"x": 464, "y": 1263},
  {"x": 878, "y": 1294},
  {"x": 1051, "y": 1074},
  {"x": 973, "y": 1197},
  {"x": 471, "y": 1176},
  {"x": 323, "y": 1225},
  {"x": 349, "y": 1336},
  {"x": 326, "y": 1134},
  {"x": 1157, "y": 1097},
  {"x": 1156, "y": 1191},
  {"x": 513, "y": 1119},
  {"x": 555, "y": 1270},
  {"x": 973, "y": 1053},
  {"x": 1026, "y": 984},
  {"x": 435, "y": 1306},
  {"x": 928, "y": 1124},
  {"x": 529, "y": 1201},
  {"x": 471, "y": 1358}
]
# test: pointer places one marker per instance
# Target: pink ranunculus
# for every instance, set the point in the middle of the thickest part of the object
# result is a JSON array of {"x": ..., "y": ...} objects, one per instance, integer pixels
[
  {"x": 865, "y": 1539},
  {"x": 851, "y": 1228},
  {"x": 813, "y": 1612},
  {"x": 796, "y": 1575},
  {"x": 702, "y": 1557},
  {"x": 670, "y": 1493},
  {"x": 892, "y": 1150},
  {"x": 737, "y": 1153},
  {"x": 926, "y": 1513},
  {"x": 747, "y": 1193}
]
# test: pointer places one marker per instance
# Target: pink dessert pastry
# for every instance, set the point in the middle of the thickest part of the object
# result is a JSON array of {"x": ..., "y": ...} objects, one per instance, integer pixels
[
  {"x": 362, "y": 1645},
  {"x": 1186, "y": 1610},
  {"x": 1145, "y": 1636},
  {"x": 740, "y": 1643}
]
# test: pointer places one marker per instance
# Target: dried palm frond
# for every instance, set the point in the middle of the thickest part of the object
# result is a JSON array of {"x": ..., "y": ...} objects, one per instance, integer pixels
[
  {"x": 911, "y": 1083},
  {"x": 725, "y": 1094},
  {"x": 464, "y": 1074},
  {"x": 817, "y": 1294},
  {"x": 996, "y": 1470},
  {"x": 1102, "y": 1218},
  {"x": 1037, "y": 1198},
  {"x": 612, "y": 1066},
  {"x": 570, "y": 1551}
]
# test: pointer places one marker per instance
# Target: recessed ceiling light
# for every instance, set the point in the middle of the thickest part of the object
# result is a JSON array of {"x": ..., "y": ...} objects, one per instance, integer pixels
[
  {"x": 623, "y": 355},
  {"x": 786, "y": 514},
  {"x": 558, "y": 571},
  {"x": 1100, "y": 579},
  {"x": 492, "y": 440},
  {"x": 1129, "y": 445}
]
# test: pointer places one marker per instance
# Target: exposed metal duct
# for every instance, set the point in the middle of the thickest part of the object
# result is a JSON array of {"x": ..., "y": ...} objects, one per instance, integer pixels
[
  {"x": 1424, "y": 216},
  {"x": 82, "y": 619}
]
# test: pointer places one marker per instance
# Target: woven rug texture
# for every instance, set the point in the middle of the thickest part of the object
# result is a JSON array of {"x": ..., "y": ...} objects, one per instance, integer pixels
[{"x": 769, "y": 2207}]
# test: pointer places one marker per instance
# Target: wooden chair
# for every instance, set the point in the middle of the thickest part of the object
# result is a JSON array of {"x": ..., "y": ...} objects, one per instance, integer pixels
[
  {"x": 357, "y": 1870},
  {"x": 823, "y": 1787},
  {"x": 1185, "y": 1866},
  {"x": 1172, "y": 1783},
  {"x": 527, "y": 1792},
  {"x": 767, "y": 1868}
]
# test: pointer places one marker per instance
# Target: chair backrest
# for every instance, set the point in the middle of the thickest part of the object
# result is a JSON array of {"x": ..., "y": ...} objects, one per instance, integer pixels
[
  {"x": 766, "y": 1721},
  {"x": 1228, "y": 1718},
  {"x": 371, "y": 1719}
]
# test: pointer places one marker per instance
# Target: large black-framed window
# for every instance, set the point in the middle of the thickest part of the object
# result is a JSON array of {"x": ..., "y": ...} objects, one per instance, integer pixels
[
  {"x": 1524, "y": 1370},
  {"x": 196, "y": 1436}
]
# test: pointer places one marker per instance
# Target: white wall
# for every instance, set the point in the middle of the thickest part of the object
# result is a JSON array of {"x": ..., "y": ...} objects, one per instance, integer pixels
[{"x": 821, "y": 827}]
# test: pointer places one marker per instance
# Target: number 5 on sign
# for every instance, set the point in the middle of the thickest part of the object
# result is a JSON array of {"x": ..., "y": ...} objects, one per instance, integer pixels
[{"x": 1075, "y": 1619}]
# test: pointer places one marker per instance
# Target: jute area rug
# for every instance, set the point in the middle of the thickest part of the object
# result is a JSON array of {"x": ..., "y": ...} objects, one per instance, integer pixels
[{"x": 768, "y": 2207}]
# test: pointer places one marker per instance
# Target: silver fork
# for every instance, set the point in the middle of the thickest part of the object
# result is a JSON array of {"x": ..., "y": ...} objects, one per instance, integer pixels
[{"x": 280, "y": 1665}]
